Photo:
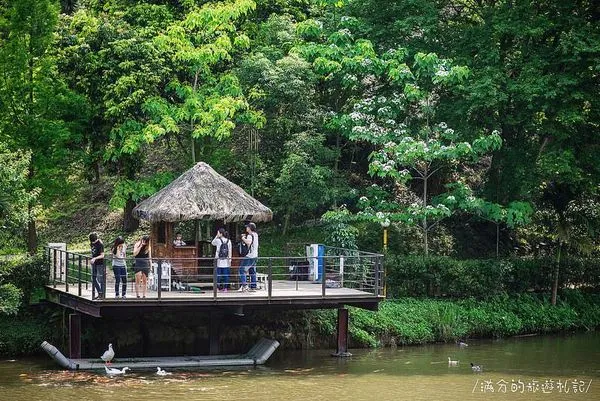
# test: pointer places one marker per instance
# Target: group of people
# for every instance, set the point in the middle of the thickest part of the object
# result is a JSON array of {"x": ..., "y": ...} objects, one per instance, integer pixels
[
  {"x": 142, "y": 258},
  {"x": 141, "y": 266},
  {"x": 248, "y": 263}
]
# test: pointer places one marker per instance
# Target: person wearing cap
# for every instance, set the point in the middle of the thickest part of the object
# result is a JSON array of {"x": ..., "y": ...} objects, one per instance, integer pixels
[{"x": 248, "y": 265}]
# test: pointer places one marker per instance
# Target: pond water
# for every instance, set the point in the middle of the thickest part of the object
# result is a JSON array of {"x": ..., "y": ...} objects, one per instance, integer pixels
[{"x": 526, "y": 368}]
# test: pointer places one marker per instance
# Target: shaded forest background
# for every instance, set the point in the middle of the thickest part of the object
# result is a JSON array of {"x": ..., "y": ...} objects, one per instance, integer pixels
[{"x": 469, "y": 126}]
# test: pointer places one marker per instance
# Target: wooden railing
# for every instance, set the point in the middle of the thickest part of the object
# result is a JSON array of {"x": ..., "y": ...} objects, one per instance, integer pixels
[{"x": 335, "y": 269}]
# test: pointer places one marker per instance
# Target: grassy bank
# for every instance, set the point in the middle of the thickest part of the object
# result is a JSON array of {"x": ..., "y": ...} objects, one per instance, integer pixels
[{"x": 419, "y": 321}]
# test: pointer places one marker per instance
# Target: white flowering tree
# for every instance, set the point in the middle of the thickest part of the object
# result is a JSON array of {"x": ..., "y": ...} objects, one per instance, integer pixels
[{"x": 399, "y": 120}]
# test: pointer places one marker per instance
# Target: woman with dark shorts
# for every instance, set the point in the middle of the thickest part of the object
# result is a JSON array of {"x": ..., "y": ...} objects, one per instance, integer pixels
[{"x": 141, "y": 251}]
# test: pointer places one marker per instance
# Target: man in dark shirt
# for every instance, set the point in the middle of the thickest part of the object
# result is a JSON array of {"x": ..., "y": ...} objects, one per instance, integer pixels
[{"x": 98, "y": 268}]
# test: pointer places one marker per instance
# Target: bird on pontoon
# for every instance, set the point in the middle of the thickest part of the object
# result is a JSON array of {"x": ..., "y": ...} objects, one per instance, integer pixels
[
  {"x": 113, "y": 371},
  {"x": 452, "y": 363},
  {"x": 161, "y": 372},
  {"x": 108, "y": 355},
  {"x": 476, "y": 368}
]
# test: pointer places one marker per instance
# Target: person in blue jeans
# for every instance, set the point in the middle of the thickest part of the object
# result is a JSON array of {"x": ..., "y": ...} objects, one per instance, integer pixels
[
  {"x": 98, "y": 268},
  {"x": 223, "y": 261},
  {"x": 248, "y": 265},
  {"x": 119, "y": 249}
]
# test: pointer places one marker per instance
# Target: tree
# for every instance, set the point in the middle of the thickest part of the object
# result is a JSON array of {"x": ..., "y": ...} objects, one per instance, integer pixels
[
  {"x": 39, "y": 116},
  {"x": 204, "y": 99},
  {"x": 306, "y": 182},
  {"x": 412, "y": 147},
  {"x": 15, "y": 196}
]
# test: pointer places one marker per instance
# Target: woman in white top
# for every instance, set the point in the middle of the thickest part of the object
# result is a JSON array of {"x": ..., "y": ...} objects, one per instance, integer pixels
[
  {"x": 119, "y": 249},
  {"x": 248, "y": 264},
  {"x": 223, "y": 256}
]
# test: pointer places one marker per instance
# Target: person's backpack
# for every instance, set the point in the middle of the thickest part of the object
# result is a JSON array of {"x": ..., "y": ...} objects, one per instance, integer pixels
[
  {"x": 223, "y": 249},
  {"x": 244, "y": 248}
]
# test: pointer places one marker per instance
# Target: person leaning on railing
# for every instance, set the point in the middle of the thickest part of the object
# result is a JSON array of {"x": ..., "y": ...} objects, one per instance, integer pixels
[
  {"x": 98, "y": 268},
  {"x": 142, "y": 254}
]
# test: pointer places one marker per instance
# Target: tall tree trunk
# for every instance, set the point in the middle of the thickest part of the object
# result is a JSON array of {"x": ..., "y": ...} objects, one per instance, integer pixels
[
  {"x": 130, "y": 224},
  {"x": 556, "y": 272}
]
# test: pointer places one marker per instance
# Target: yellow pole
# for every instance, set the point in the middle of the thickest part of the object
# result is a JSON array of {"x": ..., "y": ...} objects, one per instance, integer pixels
[{"x": 385, "y": 240}]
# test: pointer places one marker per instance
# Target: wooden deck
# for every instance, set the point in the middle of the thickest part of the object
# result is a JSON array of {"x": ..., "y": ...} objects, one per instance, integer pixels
[
  {"x": 284, "y": 294},
  {"x": 346, "y": 277}
]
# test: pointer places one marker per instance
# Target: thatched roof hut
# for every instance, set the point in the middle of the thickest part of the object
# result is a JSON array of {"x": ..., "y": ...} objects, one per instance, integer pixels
[{"x": 202, "y": 194}]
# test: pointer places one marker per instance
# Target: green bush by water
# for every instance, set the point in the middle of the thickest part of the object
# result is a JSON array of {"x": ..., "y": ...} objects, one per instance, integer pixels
[{"x": 419, "y": 321}]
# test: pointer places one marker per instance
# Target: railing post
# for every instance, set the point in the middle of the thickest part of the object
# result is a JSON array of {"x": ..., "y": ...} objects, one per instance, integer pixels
[
  {"x": 67, "y": 272},
  {"x": 376, "y": 266},
  {"x": 87, "y": 272},
  {"x": 342, "y": 271},
  {"x": 54, "y": 268},
  {"x": 79, "y": 277},
  {"x": 159, "y": 276},
  {"x": 60, "y": 266},
  {"x": 270, "y": 280},
  {"x": 323, "y": 277},
  {"x": 215, "y": 276},
  {"x": 384, "y": 277}
]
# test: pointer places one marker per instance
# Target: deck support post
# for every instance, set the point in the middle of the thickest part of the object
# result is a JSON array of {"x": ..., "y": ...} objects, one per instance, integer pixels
[
  {"x": 342, "y": 333},
  {"x": 214, "y": 333},
  {"x": 74, "y": 335}
]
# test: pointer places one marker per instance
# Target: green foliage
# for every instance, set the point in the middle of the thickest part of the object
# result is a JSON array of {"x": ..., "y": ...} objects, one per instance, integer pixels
[
  {"x": 22, "y": 335},
  {"x": 138, "y": 189},
  {"x": 10, "y": 299},
  {"x": 20, "y": 278},
  {"x": 411, "y": 321},
  {"x": 15, "y": 196},
  {"x": 484, "y": 278},
  {"x": 39, "y": 116}
]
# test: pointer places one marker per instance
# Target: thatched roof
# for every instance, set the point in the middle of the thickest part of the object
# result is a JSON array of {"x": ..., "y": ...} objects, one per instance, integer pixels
[{"x": 201, "y": 193}]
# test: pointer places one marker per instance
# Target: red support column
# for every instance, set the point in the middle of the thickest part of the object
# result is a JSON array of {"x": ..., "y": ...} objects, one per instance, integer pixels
[
  {"x": 342, "y": 333},
  {"x": 75, "y": 335}
]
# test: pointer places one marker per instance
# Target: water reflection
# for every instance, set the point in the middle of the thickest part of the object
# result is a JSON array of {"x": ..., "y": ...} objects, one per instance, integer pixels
[{"x": 418, "y": 373}]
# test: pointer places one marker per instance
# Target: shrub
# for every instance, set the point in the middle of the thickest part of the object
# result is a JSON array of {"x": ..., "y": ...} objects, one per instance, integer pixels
[
  {"x": 417, "y": 276},
  {"x": 23, "y": 335},
  {"x": 26, "y": 273}
]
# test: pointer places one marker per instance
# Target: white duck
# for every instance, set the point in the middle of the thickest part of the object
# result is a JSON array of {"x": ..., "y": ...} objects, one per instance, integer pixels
[
  {"x": 452, "y": 363},
  {"x": 113, "y": 371},
  {"x": 161, "y": 372},
  {"x": 108, "y": 355}
]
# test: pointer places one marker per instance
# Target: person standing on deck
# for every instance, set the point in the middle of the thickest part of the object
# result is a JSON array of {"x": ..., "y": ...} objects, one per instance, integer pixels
[
  {"x": 248, "y": 265},
  {"x": 98, "y": 268},
  {"x": 141, "y": 251},
  {"x": 223, "y": 261},
  {"x": 119, "y": 266}
]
